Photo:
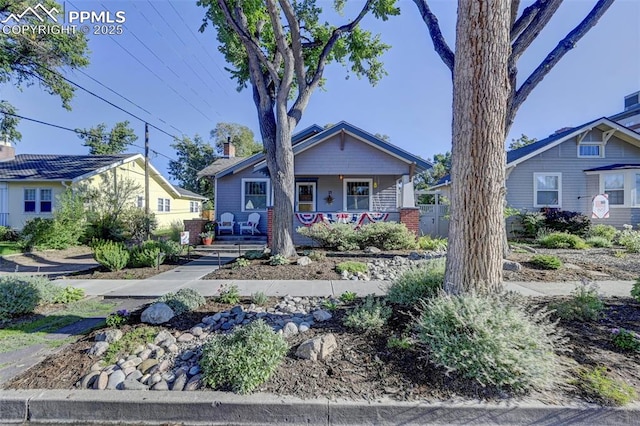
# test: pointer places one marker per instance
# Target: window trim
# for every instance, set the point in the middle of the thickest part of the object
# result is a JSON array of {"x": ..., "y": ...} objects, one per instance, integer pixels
[
  {"x": 625, "y": 188},
  {"x": 314, "y": 184},
  {"x": 166, "y": 205},
  {"x": 37, "y": 201},
  {"x": 242, "y": 194},
  {"x": 599, "y": 144},
  {"x": 344, "y": 192},
  {"x": 535, "y": 189},
  {"x": 41, "y": 200},
  {"x": 194, "y": 206}
]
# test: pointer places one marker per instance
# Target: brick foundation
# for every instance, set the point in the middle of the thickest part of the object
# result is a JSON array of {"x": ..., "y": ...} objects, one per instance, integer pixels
[
  {"x": 410, "y": 216},
  {"x": 195, "y": 227},
  {"x": 269, "y": 226}
]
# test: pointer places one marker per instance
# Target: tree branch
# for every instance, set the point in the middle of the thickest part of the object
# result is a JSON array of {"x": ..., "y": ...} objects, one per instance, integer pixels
[
  {"x": 537, "y": 24},
  {"x": 296, "y": 43},
  {"x": 439, "y": 43},
  {"x": 527, "y": 16},
  {"x": 285, "y": 51},
  {"x": 515, "y": 4},
  {"x": 566, "y": 44}
]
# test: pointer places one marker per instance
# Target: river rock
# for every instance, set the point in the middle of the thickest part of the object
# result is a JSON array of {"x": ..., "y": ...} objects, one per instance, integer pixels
[
  {"x": 180, "y": 382},
  {"x": 290, "y": 329},
  {"x": 509, "y": 265},
  {"x": 318, "y": 348},
  {"x": 194, "y": 383},
  {"x": 186, "y": 337},
  {"x": 158, "y": 313},
  {"x": 101, "y": 382},
  {"x": 88, "y": 380},
  {"x": 162, "y": 336},
  {"x": 160, "y": 386},
  {"x": 304, "y": 261},
  {"x": 98, "y": 348},
  {"x": 321, "y": 315},
  {"x": 135, "y": 375},
  {"x": 131, "y": 384},
  {"x": 109, "y": 336},
  {"x": 147, "y": 365},
  {"x": 115, "y": 380}
]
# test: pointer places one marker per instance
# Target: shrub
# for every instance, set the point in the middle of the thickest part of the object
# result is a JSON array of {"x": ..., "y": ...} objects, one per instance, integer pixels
[
  {"x": 352, "y": 267},
  {"x": 183, "y": 300},
  {"x": 259, "y": 298},
  {"x": 228, "y": 294},
  {"x": 68, "y": 294},
  {"x": 562, "y": 240},
  {"x": 629, "y": 239},
  {"x": 148, "y": 254},
  {"x": 585, "y": 304},
  {"x": 128, "y": 343},
  {"x": 599, "y": 242},
  {"x": 492, "y": 341},
  {"x": 254, "y": 254},
  {"x": 626, "y": 340},
  {"x": 338, "y": 236},
  {"x": 427, "y": 242},
  {"x": 138, "y": 224},
  {"x": 171, "y": 249},
  {"x": 348, "y": 296},
  {"x": 604, "y": 389},
  {"x": 565, "y": 221},
  {"x": 108, "y": 227},
  {"x": 603, "y": 231},
  {"x": 278, "y": 259},
  {"x": 113, "y": 256},
  {"x": 546, "y": 261},
  {"x": 18, "y": 296},
  {"x": 635, "y": 290},
  {"x": 118, "y": 319},
  {"x": 244, "y": 359},
  {"x": 403, "y": 342},
  {"x": 385, "y": 236},
  {"x": 370, "y": 316},
  {"x": 241, "y": 263},
  {"x": 417, "y": 283},
  {"x": 9, "y": 234},
  {"x": 531, "y": 223},
  {"x": 316, "y": 255},
  {"x": 330, "y": 304}
]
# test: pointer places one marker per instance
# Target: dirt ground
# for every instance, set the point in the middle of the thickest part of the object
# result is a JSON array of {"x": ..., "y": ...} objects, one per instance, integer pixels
[{"x": 363, "y": 367}]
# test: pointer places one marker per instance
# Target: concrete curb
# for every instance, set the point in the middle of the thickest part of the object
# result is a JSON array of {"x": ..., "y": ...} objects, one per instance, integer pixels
[{"x": 214, "y": 408}]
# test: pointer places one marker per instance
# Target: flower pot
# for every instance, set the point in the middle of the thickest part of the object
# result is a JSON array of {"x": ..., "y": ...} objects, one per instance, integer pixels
[{"x": 207, "y": 241}]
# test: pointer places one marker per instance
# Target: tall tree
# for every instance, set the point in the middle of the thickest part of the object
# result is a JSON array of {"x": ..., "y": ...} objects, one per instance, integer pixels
[
  {"x": 240, "y": 136},
  {"x": 282, "y": 49},
  {"x": 103, "y": 142},
  {"x": 28, "y": 57},
  {"x": 522, "y": 141},
  {"x": 193, "y": 155},
  {"x": 490, "y": 38}
]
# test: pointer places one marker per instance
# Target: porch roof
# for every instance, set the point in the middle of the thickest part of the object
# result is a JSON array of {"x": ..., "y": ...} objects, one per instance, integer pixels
[{"x": 613, "y": 167}]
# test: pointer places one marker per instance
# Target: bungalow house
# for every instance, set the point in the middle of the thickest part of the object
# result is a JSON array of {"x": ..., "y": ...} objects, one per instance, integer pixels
[
  {"x": 30, "y": 184},
  {"x": 570, "y": 168},
  {"x": 342, "y": 174}
]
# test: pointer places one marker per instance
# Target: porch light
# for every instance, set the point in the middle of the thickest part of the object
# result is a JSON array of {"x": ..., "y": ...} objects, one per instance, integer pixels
[
  {"x": 340, "y": 176},
  {"x": 329, "y": 198}
]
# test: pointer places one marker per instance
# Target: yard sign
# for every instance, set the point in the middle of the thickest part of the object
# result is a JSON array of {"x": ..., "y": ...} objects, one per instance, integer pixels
[{"x": 600, "y": 207}]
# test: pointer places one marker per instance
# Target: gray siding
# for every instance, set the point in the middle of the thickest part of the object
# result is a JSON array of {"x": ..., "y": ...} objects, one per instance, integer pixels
[
  {"x": 357, "y": 157},
  {"x": 229, "y": 198},
  {"x": 578, "y": 188}
]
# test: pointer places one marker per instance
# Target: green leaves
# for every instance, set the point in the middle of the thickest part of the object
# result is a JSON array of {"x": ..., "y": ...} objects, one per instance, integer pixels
[{"x": 101, "y": 142}]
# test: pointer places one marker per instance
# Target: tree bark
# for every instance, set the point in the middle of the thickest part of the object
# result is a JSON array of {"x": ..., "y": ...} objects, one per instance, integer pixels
[{"x": 481, "y": 90}]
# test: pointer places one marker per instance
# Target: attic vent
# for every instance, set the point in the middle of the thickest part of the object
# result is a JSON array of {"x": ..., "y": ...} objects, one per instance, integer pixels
[{"x": 631, "y": 101}]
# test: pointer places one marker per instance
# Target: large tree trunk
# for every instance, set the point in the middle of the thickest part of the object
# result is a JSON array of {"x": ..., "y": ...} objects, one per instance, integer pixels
[{"x": 481, "y": 89}]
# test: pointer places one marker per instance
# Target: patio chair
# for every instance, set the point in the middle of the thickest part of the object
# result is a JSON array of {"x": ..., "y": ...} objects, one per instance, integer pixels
[
  {"x": 226, "y": 223},
  {"x": 251, "y": 224}
]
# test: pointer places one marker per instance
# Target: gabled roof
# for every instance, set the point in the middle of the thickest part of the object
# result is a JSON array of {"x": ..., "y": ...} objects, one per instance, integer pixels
[
  {"x": 614, "y": 167},
  {"x": 185, "y": 193},
  {"x": 41, "y": 167},
  {"x": 218, "y": 165},
  {"x": 306, "y": 133},
  {"x": 517, "y": 156}
]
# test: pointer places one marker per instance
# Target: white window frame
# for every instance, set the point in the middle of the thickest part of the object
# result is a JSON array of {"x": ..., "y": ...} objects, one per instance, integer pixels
[
  {"x": 344, "y": 192},
  {"x": 194, "y": 206},
  {"x": 314, "y": 193},
  {"x": 625, "y": 187},
  {"x": 164, "y": 205},
  {"x": 160, "y": 205},
  {"x": 41, "y": 200},
  {"x": 140, "y": 201},
  {"x": 38, "y": 200},
  {"x": 242, "y": 194},
  {"x": 599, "y": 144},
  {"x": 535, "y": 189}
]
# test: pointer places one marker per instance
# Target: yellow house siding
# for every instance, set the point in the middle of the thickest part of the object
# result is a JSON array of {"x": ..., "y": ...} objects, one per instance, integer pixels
[{"x": 17, "y": 215}]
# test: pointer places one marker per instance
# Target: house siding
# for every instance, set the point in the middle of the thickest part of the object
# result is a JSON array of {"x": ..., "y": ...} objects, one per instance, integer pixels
[
  {"x": 229, "y": 198},
  {"x": 17, "y": 216}
]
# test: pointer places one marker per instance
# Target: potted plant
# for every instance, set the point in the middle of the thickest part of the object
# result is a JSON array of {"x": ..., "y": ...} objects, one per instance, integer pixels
[
  {"x": 207, "y": 237},
  {"x": 207, "y": 210}
]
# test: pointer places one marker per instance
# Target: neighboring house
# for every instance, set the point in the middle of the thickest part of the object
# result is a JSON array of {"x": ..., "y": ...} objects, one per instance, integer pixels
[
  {"x": 30, "y": 183},
  {"x": 342, "y": 174},
  {"x": 568, "y": 169}
]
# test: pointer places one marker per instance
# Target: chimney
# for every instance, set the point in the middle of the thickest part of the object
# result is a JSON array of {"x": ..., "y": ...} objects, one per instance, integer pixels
[
  {"x": 7, "y": 151},
  {"x": 229, "y": 151}
]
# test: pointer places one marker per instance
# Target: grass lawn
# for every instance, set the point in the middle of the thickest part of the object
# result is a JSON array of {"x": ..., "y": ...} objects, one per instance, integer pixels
[
  {"x": 33, "y": 332},
  {"x": 8, "y": 247}
]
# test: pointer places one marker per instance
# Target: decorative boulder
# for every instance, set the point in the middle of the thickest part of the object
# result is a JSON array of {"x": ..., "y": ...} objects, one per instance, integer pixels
[
  {"x": 99, "y": 348},
  {"x": 158, "y": 313},
  {"x": 318, "y": 348},
  {"x": 321, "y": 315},
  {"x": 372, "y": 250},
  {"x": 304, "y": 261},
  {"x": 109, "y": 336},
  {"x": 508, "y": 265}
]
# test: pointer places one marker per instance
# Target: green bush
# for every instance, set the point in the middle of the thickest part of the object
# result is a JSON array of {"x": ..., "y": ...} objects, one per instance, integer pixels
[
  {"x": 491, "y": 340},
  {"x": 148, "y": 254},
  {"x": 635, "y": 290},
  {"x": 546, "y": 261},
  {"x": 112, "y": 255},
  {"x": 585, "y": 304},
  {"x": 68, "y": 294},
  {"x": 629, "y": 239},
  {"x": 338, "y": 236},
  {"x": 402, "y": 343},
  {"x": 348, "y": 296},
  {"x": 352, "y": 267},
  {"x": 8, "y": 234},
  {"x": 417, "y": 283},
  {"x": 603, "y": 231},
  {"x": 370, "y": 316},
  {"x": 531, "y": 223},
  {"x": 171, "y": 249},
  {"x": 385, "y": 236},
  {"x": 244, "y": 359},
  {"x": 278, "y": 259},
  {"x": 18, "y": 296},
  {"x": 626, "y": 340},
  {"x": 228, "y": 294},
  {"x": 604, "y": 389},
  {"x": 259, "y": 298},
  {"x": 254, "y": 254},
  {"x": 601, "y": 242},
  {"x": 566, "y": 221},
  {"x": 427, "y": 242},
  {"x": 105, "y": 227},
  {"x": 316, "y": 255},
  {"x": 562, "y": 240},
  {"x": 183, "y": 300},
  {"x": 139, "y": 225},
  {"x": 241, "y": 263}
]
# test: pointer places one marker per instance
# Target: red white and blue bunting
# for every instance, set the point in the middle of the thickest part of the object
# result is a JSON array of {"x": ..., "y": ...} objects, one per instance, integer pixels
[
  {"x": 308, "y": 219},
  {"x": 354, "y": 219}
]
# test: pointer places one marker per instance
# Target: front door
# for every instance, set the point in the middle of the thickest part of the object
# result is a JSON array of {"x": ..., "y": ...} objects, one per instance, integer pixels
[{"x": 305, "y": 196}]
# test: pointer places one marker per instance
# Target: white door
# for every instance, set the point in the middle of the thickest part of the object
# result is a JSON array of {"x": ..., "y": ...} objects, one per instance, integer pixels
[{"x": 305, "y": 196}]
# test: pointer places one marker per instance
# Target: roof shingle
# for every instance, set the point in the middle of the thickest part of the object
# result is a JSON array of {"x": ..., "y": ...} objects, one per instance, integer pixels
[{"x": 42, "y": 167}]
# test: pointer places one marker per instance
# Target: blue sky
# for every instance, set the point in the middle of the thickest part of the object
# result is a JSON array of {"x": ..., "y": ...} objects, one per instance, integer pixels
[{"x": 185, "y": 85}]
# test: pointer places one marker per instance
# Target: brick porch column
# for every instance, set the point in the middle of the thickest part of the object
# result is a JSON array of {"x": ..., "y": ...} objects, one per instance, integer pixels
[
  {"x": 195, "y": 227},
  {"x": 410, "y": 216},
  {"x": 269, "y": 226}
]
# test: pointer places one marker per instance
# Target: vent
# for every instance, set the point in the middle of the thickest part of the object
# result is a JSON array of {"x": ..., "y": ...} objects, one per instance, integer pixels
[{"x": 631, "y": 101}]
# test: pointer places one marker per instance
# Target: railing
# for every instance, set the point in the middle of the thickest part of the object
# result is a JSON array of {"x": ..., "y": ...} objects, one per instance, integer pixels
[{"x": 4, "y": 219}]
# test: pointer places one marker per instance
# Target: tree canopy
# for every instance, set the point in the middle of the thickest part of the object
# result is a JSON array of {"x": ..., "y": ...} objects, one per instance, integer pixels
[
  {"x": 193, "y": 155},
  {"x": 103, "y": 142},
  {"x": 240, "y": 136},
  {"x": 28, "y": 58},
  {"x": 522, "y": 141}
]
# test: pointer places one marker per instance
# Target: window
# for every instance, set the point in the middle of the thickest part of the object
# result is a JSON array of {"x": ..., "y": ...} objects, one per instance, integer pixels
[
  {"x": 194, "y": 206},
  {"x": 614, "y": 188},
  {"x": 29, "y": 200},
  {"x": 140, "y": 202},
  {"x": 357, "y": 194},
  {"x": 45, "y": 201},
  {"x": 255, "y": 194},
  {"x": 305, "y": 196},
  {"x": 547, "y": 189},
  {"x": 164, "y": 205},
  {"x": 591, "y": 151}
]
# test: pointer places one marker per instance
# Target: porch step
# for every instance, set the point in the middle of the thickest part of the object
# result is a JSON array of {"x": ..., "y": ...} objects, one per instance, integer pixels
[
  {"x": 245, "y": 238},
  {"x": 230, "y": 248}
]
